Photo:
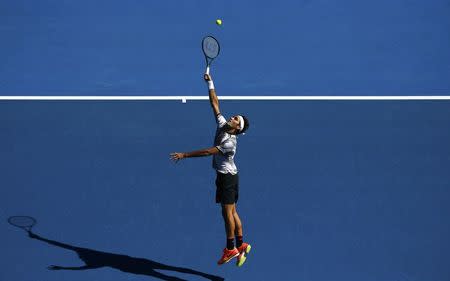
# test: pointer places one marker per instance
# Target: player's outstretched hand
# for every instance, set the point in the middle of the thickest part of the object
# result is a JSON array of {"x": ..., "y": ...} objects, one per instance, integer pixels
[{"x": 176, "y": 156}]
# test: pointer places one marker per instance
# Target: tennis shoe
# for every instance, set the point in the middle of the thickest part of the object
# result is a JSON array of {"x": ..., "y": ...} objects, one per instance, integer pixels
[
  {"x": 228, "y": 255},
  {"x": 244, "y": 249}
]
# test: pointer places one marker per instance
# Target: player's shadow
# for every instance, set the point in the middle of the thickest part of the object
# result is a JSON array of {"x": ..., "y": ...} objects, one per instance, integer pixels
[{"x": 96, "y": 259}]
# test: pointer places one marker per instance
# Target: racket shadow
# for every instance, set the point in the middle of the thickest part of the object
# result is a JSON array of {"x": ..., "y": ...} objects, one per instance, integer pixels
[{"x": 96, "y": 259}]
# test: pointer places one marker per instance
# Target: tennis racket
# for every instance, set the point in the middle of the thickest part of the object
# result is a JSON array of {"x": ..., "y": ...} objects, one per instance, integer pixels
[
  {"x": 24, "y": 222},
  {"x": 211, "y": 49}
]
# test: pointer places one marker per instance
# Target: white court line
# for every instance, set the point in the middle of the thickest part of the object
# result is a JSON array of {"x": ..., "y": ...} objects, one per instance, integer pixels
[{"x": 249, "y": 98}]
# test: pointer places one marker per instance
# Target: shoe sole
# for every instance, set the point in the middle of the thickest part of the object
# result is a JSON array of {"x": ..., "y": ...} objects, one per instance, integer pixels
[{"x": 242, "y": 260}]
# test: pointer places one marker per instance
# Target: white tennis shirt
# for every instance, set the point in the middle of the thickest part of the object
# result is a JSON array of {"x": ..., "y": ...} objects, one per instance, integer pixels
[{"x": 227, "y": 143}]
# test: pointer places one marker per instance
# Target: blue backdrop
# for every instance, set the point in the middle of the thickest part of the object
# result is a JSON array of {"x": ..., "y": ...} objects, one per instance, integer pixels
[
  {"x": 330, "y": 190},
  {"x": 53, "y": 47}
]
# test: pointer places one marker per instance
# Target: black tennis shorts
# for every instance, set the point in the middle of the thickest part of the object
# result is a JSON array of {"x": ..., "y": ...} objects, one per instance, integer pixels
[{"x": 227, "y": 188}]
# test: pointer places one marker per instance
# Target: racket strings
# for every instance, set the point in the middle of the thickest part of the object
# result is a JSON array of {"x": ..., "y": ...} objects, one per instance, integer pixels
[{"x": 211, "y": 47}]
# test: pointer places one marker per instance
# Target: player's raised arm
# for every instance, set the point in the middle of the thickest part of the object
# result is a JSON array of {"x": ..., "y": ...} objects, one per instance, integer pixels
[{"x": 212, "y": 94}]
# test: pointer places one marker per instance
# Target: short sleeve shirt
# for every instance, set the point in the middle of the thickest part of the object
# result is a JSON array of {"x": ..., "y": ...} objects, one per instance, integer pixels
[{"x": 226, "y": 143}]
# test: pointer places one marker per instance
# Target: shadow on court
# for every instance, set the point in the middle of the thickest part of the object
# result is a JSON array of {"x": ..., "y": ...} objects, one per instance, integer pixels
[{"x": 95, "y": 259}]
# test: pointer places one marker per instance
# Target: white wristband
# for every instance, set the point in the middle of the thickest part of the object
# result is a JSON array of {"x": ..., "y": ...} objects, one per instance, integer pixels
[{"x": 210, "y": 85}]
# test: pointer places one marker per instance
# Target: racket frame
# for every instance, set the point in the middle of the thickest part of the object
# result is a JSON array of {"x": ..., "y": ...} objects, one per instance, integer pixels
[
  {"x": 209, "y": 59},
  {"x": 27, "y": 228}
]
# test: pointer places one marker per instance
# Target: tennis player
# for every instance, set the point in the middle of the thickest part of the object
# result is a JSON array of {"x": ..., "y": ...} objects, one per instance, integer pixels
[{"x": 227, "y": 181}]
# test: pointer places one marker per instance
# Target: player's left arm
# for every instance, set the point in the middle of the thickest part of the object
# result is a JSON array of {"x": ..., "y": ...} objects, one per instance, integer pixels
[{"x": 176, "y": 156}]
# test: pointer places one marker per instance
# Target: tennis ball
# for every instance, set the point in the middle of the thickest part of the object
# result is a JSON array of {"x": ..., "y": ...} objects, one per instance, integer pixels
[{"x": 219, "y": 22}]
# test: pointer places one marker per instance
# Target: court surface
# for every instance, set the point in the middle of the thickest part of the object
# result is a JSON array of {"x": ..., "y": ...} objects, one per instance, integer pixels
[{"x": 330, "y": 190}]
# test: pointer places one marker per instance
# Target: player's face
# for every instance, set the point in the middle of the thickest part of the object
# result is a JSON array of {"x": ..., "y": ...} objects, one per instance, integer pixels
[{"x": 233, "y": 122}]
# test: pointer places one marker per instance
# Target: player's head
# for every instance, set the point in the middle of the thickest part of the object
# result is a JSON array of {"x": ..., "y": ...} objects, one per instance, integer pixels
[{"x": 238, "y": 124}]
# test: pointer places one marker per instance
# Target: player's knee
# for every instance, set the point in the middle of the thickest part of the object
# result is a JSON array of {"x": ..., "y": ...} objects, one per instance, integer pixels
[
  {"x": 227, "y": 212},
  {"x": 224, "y": 213}
]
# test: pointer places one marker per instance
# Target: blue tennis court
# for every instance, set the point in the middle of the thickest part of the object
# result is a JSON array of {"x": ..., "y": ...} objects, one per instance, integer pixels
[{"x": 330, "y": 189}]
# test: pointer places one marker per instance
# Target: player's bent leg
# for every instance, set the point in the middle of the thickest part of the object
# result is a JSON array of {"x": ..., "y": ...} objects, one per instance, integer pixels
[
  {"x": 227, "y": 214},
  {"x": 230, "y": 251}
]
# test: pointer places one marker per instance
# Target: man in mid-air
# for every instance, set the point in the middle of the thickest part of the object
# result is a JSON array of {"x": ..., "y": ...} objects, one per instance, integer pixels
[{"x": 227, "y": 181}]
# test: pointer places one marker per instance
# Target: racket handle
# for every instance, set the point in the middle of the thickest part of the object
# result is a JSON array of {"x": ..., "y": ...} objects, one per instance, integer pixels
[{"x": 207, "y": 70}]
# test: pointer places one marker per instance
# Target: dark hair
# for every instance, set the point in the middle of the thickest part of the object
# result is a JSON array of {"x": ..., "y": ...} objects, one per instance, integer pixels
[{"x": 246, "y": 125}]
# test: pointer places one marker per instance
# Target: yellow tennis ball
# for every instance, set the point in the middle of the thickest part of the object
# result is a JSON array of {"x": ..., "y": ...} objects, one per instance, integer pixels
[{"x": 219, "y": 22}]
